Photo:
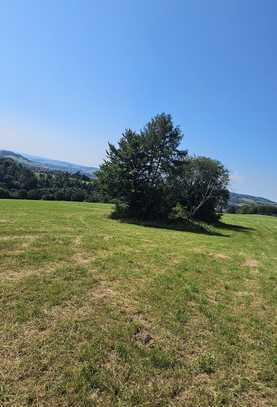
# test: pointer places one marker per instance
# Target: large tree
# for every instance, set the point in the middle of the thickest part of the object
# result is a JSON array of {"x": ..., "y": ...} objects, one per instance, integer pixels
[
  {"x": 150, "y": 176},
  {"x": 199, "y": 185},
  {"x": 136, "y": 171}
]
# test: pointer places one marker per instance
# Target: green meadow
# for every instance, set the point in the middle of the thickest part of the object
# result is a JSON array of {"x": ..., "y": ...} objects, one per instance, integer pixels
[{"x": 96, "y": 312}]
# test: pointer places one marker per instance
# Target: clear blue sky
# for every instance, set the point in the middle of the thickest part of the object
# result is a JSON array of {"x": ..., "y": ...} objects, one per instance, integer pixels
[{"x": 74, "y": 74}]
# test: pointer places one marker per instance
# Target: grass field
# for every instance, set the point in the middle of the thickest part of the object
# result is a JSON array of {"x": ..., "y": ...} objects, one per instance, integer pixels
[{"x": 95, "y": 312}]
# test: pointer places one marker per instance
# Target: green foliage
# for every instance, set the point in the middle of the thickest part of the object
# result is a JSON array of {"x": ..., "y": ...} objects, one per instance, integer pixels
[
  {"x": 199, "y": 184},
  {"x": 252, "y": 208},
  {"x": 157, "y": 181},
  {"x": 207, "y": 363},
  {"x": 4, "y": 193},
  {"x": 179, "y": 212},
  {"x": 258, "y": 209},
  {"x": 121, "y": 210},
  {"x": 17, "y": 181},
  {"x": 136, "y": 171},
  {"x": 232, "y": 209}
]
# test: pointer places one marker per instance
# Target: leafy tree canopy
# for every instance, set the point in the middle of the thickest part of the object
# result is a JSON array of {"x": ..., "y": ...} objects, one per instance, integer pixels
[
  {"x": 17, "y": 181},
  {"x": 148, "y": 174}
]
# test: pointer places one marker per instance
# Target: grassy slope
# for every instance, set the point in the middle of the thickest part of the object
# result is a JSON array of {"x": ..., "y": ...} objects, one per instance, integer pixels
[{"x": 95, "y": 312}]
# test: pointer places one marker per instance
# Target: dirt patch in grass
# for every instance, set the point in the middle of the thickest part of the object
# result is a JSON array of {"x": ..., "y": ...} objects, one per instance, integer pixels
[
  {"x": 103, "y": 291},
  {"x": 12, "y": 274},
  {"x": 219, "y": 256},
  {"x": 198, "y": 250},
  {"x": 251, "y": 263},
  {"x": 81, "y": 259},
  {"x": 19, "y": 237}
]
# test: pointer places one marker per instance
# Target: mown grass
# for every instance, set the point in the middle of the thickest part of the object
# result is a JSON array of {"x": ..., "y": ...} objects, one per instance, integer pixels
[{"x": 95, "y": 312}]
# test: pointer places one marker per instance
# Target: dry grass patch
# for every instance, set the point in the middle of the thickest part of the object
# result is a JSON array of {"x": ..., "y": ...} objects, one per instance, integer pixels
[
  {"x": 219, "y": 256},
  {"x": 251, "y": 263}
]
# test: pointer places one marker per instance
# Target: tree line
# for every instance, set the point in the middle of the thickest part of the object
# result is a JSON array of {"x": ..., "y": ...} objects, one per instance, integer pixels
[
  {"x": 17, "y": 181},
  {"x": 252, "y": 208}
]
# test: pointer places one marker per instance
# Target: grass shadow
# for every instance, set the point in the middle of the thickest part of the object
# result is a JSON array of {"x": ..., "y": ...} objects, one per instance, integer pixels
[
  {"x": 192, "y": 227},
  {"x": 234, "y": 228},
  {"x": 214, "y": 229}
]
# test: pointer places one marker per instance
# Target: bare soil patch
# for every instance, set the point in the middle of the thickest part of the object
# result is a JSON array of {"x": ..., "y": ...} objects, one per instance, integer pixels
[{"x": 251, "y": 263}]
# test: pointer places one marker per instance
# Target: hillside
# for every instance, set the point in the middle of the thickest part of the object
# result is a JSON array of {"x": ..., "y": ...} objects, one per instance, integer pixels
[
  {"x": 27, "y": 182},
  {"x": 240, "y": 199},
  {"x": 17, "y": 157},
  {"x": 47, "y": 164},
  {"x": 62, "y": 165},
  {"x": 102, "y": 313}
]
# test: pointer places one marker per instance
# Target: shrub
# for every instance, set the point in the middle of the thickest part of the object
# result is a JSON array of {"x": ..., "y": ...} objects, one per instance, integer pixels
[
  {"x": 121, "y": 210},
  {"x": 179, "y": 212}
]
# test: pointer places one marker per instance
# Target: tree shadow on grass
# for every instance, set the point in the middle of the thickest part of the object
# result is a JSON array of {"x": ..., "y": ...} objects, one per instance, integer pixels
[
  {"x": 192, "y": 227},
  {"x": 234, "y": 228}
]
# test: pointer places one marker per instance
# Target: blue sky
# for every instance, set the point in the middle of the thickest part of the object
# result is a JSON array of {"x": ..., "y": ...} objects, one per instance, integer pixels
[{"x": 74, "y": 74}]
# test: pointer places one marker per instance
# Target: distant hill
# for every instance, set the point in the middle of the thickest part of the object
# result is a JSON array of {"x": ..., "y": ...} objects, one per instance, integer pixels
[
  {"x": 47, "y": 164},
  {"x": 241, "y": 199},
  {"x": 15, "y": 156}
]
